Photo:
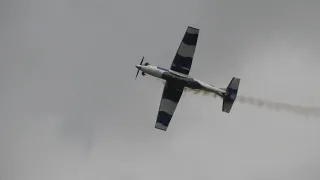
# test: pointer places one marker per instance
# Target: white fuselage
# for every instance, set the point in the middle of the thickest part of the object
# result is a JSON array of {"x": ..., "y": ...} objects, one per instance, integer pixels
[{"x": 176, "y": 76}]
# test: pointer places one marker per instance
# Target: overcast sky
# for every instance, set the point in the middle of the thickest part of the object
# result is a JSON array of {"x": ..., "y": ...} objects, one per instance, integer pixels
[{"x": 70, "y": 108}]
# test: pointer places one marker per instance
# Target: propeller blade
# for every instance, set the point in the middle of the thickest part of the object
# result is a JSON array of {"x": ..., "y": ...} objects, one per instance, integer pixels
[
  {"x": 142, "y": 60},
  {"x": 137, "y": 74},
  {"x": 138, "y": 69}
]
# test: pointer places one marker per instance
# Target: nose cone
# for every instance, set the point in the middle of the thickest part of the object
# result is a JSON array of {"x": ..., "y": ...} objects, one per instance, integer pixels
[{"x": 138, "y": 67}]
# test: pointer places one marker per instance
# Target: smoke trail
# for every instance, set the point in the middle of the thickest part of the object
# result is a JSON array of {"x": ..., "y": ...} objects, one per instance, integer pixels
[
  {"x": 270, "y": 105},
  {"x": 279, "y": 106}
]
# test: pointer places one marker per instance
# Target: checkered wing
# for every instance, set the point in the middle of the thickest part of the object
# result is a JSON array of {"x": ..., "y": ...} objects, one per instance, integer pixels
[{"x": 184, "y": 56}]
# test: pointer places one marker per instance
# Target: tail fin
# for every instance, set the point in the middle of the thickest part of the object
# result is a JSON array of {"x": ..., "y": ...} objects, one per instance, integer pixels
[{"x": 230, "y": 95}]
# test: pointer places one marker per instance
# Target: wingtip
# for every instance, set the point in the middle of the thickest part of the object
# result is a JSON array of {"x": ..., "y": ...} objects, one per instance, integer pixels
[
  {"x": 191, "y": 27},
  {"x": 161, "y": 127},
  {"x": 192, "y": 30}
]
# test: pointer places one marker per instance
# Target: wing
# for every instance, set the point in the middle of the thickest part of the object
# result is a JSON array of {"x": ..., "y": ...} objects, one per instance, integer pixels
[
  {"x": 169, "y": 101},
  {"x": 183, "y": 59}
]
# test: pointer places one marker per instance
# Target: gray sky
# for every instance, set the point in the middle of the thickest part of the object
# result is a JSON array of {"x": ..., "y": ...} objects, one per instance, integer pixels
[{"x": 71, "y": 110}]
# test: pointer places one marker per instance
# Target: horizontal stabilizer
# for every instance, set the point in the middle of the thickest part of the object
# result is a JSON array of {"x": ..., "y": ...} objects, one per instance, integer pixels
[{"x": 230, "y": 95}]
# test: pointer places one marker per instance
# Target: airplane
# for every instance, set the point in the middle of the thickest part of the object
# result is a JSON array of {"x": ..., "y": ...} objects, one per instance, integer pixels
[{"x": 177, "y": 78}]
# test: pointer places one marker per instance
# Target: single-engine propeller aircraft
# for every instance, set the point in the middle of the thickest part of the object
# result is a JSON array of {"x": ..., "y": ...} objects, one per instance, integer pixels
[{"x": 177, "y": 78}]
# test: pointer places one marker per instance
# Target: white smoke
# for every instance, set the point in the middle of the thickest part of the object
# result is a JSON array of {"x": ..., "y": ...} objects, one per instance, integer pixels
[
  {"x": 279, "y": 106},
  {"x": 270, "y": 105}
]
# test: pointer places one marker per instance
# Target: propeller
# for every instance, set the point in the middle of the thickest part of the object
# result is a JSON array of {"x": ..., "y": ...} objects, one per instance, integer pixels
[{"x": 138, "y": 69}]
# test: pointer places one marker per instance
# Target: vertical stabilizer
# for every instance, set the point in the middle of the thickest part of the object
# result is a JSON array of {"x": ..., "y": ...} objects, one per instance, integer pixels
[{"x": 230, "y": 95}]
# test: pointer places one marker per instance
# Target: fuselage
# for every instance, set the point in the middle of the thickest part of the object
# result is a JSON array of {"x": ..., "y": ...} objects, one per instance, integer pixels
[{"x": 179, "y": 79}]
